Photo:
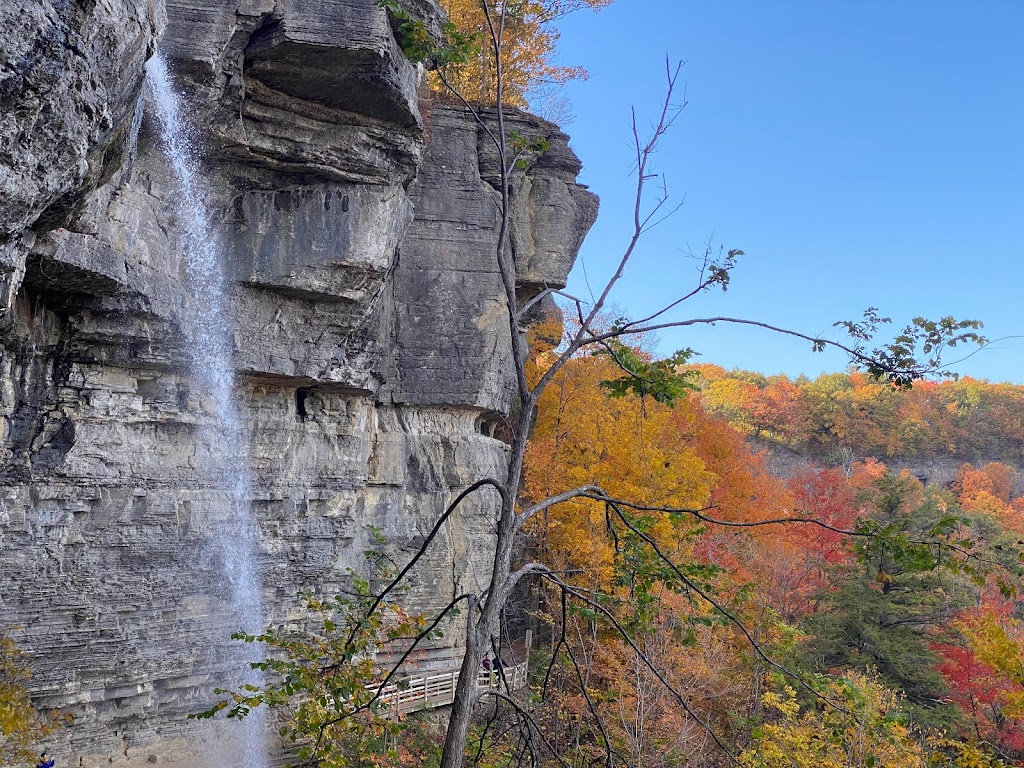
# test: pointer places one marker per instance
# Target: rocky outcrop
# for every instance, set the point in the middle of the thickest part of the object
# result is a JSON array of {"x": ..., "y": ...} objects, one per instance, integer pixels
[
  {"x": 70, "y": 80},
  {"x": 453, "y": 343},
  {"x": 370, "y": 340}
]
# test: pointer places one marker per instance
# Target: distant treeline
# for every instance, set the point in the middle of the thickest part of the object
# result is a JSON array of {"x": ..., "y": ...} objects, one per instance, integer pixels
[{"x": 851, "y": 414}]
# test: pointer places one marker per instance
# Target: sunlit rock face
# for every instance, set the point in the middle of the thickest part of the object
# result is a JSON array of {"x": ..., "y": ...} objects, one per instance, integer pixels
[{"x": 370, "y": 340}]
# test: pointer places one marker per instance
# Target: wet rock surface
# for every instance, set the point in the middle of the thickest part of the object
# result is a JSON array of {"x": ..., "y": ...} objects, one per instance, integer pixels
[{"x": 370, "y": 340}]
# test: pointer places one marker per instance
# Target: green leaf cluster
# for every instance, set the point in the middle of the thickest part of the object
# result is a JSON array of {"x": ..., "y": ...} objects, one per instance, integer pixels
[
  {"x": 663, "y": 380},
  {"x": 419, "y": 45},
  {"x": 914, "y": 353},
  {"x": 323, "y": 678}
]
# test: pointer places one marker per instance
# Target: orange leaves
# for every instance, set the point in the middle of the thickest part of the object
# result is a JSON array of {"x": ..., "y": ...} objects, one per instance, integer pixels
[
  {"x": 527, "y": 51},
  {"x": 853, "y": 414},
  {"x": 653, "y": 455},
  {"x": 995, "y": 479},
  {"x": 988, "y": 490},
  {"x": 744, "y": 490},
  {"x": 632, "y": 449}
]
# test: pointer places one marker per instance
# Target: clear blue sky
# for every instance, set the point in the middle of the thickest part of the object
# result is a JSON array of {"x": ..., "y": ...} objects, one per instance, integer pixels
[{"x": 861, "y": 152}]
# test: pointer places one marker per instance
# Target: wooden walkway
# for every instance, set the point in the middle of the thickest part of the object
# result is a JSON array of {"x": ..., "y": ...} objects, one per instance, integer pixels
[{"x": 419, "y": 693}]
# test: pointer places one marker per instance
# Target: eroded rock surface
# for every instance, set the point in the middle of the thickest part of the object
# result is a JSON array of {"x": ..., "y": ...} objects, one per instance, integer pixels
[
  {"x": 70, "y": 80},
  {"x": 370, "y": 340}
]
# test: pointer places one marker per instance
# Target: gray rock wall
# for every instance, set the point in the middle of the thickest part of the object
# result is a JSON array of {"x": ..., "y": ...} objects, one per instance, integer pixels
[
  {"x": 370, "y": 336},
  {"x": 70, "y": 79}
]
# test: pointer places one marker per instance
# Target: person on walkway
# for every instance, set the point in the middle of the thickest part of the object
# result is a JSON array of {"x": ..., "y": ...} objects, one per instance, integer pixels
[{"x": 45, "y": 761}]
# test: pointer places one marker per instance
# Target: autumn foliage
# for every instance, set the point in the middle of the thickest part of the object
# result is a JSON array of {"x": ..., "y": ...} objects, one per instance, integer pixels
[
  {"x": 835, "y": 638},
  {"x": 528, "y": 60},
  {"x": 843, "y": 416},
  {"x": 699, "y": 608},
  {"x": 21, "y": 725}
]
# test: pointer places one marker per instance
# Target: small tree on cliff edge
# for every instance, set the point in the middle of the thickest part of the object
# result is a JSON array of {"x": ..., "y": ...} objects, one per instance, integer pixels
[{"x": 914, "y": 353}]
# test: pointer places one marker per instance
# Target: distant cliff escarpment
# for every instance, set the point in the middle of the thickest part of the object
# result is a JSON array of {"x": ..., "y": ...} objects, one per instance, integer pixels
[{"x": 368, "y": 329}]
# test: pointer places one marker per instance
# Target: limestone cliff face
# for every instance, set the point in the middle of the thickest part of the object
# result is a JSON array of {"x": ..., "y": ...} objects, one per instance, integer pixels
[{"x": 370, "y": 334}]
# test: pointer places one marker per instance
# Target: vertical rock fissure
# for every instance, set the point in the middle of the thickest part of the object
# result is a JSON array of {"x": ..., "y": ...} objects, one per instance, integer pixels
[{"x": 221, "y": 448}]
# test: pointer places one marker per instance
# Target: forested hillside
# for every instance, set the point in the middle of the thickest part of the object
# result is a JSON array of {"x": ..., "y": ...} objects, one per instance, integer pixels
[
  {"x": 967, "y": 419},
  {"x": 875, "y": 623}
]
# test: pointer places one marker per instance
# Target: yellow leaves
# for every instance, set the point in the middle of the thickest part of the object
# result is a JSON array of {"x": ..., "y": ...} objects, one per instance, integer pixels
[
  {"x": 20, "y": 724},
  {"x": 884, "y": 578},
  {"x": 988, "y": 504},
  {"x": 527, "y": 50},
  {"x": 862, "y": 728},
  {"x": 786, "y": 703},
  {"x": 958, "y": 754},
  {"x": 997, "y": 643},
  {"x": 633, "y": 449}
]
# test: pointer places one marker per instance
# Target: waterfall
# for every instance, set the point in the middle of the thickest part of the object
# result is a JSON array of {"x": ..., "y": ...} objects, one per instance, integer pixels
[{"x": 208, "y": 331}]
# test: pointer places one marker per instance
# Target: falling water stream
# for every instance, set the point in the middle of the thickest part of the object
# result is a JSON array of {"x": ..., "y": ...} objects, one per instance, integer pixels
[{"x": 208, "y": 330}]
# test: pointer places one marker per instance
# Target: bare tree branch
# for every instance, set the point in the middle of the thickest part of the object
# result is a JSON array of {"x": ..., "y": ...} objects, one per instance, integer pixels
[
  {"x": 631, "y": 642},
  {"x": 543, "y": 295},
  {"x": 528, "y": 719},
  {"x": 722, "y": 610},
  {"x": 643, "y": 153},
  {"x": 529, "y": 512}
]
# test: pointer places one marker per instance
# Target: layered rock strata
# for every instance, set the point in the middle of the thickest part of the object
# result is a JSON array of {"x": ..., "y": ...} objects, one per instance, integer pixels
[{"x": 370, "y": 340}]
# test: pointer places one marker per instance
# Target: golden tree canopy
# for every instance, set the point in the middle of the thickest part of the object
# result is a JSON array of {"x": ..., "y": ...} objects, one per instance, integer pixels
[{"x": 528, "y": 39}]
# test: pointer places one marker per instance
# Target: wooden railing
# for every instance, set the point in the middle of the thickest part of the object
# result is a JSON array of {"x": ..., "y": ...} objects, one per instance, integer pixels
[{"x": 419, "y": 693}]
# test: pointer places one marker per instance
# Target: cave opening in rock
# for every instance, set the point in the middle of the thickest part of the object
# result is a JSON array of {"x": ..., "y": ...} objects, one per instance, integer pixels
[
  {"x": 495, "y": 426},
  {"x": 301, "y": 414}
]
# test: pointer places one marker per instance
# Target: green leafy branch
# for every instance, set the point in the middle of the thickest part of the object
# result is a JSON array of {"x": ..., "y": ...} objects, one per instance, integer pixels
[
  {"x": 663, "y": 380},
  {"x": 914, "y": 353},
  {"x": 421, "y": 47},
  {"x": 324, "y": 680}
]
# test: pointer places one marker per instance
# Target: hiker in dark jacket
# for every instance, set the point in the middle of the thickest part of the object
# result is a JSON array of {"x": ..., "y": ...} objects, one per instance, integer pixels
[{"x": 45, "y": 761}]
